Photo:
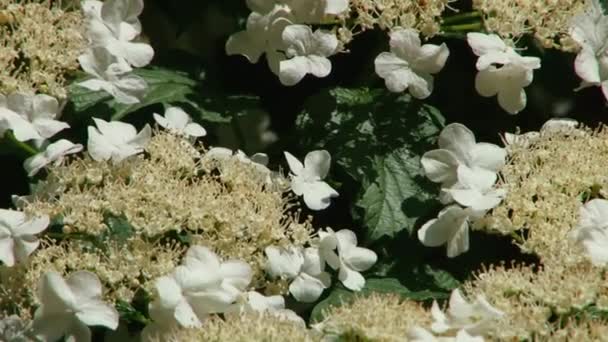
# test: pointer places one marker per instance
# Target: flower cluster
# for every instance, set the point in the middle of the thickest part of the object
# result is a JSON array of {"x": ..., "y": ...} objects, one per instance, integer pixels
[
  {"x": 467, "y": 172},
  {"x": 112, "y": 30}
]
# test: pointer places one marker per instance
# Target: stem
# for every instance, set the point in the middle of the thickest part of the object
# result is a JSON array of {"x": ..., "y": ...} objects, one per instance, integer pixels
[
  {"x": 461, "y": 27},
  {"x": 21, "y": 145},
  {"x": 462, "y": 16}
]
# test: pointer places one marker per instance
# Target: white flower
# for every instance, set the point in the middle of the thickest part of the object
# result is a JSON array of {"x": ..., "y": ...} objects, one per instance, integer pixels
[
  {"x": 592, "y": 230},
  {"x": 418, "y": 334},
  {"x": 262, "y": 35},
  {"x": 476, "y": 190},
  {"x": 307, "y": 53},
  {"x": 305, "y": 268},
  {"x": 178, "y": 121},
  {"x": 476, "y": 318},
  {"x": 116, "y": 140},
  {"x": 590, "y": 30},
  {"x": 17, "y": 235},
  {"x": 54, "y": 153},
  {"x": 111, "y": 75},
  {"x": 30, "y": 116},
  {"x": 69, "y": 306},
  {"x": 451, "y": 227},
  {"x": 273, "y": 305},
  {"x": 306, "y": 179},
  {"x": 202, "y": 285},
  {"x": 502, "y": 71},
  {"x": 555, "y": 125},
  {"x": 350, "y": 259},
  {"x": 13, "y": 328},
  {"x": 113, "y": 25},
  {"x": 457, "y": 146},
  {"x": 409, "y": 65}
]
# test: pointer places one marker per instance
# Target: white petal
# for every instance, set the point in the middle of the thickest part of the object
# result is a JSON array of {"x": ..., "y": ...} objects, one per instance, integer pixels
[
  {"x": 284, "y": 262},
  {"x": 48, "y": 127},
  {"x": 360, "y": 259},
  {"x": 317, "y": 195},
  {"x": 485, "y": 43},
  {"x": 243, "y": 43},
  {"x": 98, "y": 146},
  {"x": 22, "y": 129},
  {"x": 587, "y": 67},
  {"x": 292, "y": 71},
  {"x": 438, "y": 231},
  {"x": 96, "y": 312},
  {"x": 25, "y": 246},
  {"x": 32, "y": 226},
  {"x": 440, "y": 166},
  {"x": 459, "y": 241},
  {"x": 317, "y": 163},
  {"x": 335, "y": 7},
  {"x": 431, "y": 58},
  {"x": 7, "y": 253},
  {"x": 313, "y": 262},
  {"x": 458, "y": 139},
  {"x": 387, "y": 63},
  {"x": 54, "y": 293},
  {"x": 405, "y": 43},
  {"x": 141, "y": 140},
  {"x": 52, "y": 327},
  {"x": 487, "y": 82},
  {"x": 161, "y": 121},
  {"x": 85, "y": 285},
  {"x": 195, "y": 130},
  {"x": 306, "y": 288},
  {"x": 236, "y": 273},
  {"x": 136, "y": 54},
  {"x": 351, "y": 279},
  {"x": 186, "y": 316},
  {"x": 488, "y": 156},
  {"x": 512, "y": 99},
  {"x": 295, "y": 165}
]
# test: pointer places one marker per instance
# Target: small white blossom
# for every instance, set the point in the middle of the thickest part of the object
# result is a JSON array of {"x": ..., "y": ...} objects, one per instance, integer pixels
[
  {"x": 476, "y": 190},
  {"x": 116, "y": 140},
  {"x": 17, "y": 235},
  {"x": 306, "y": 179},
  {"x": 111, "y": 75},
  {"x": 30, "y": 116},
  {"x": 273, "y": 305},
  {"x": 350, "y": 260},
  {"x": 561, "y": 125},
  {"x": 202, "y": 285},
  {"x": 305, "y": 268},
  {"x": 53, "y": 154},
  {"x": 418, "y": 334},
  {"x": 113, "y": 24},
  {"x": 476, "y": 317},
  {"x": 590, "y": 30},
  {"x": 409, "y": 65},
  {"x": 592, "y": 230},
  {"x": 307, "y": 53},
  {"x": 69, "y": 306},
  {"x": 457, "y": 147},
  {"x": 263, "y": 35},
  {"x": 502, "y": 71},
  {"x": 179, "y": 122},
  {"x": 451, "y": 227}
]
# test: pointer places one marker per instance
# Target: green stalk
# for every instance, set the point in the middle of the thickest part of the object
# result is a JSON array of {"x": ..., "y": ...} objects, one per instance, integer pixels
[
  {"x": 462, "y": 27},
  {"x": 461, "y": 17},
  {"x": 21, "y": 145}
]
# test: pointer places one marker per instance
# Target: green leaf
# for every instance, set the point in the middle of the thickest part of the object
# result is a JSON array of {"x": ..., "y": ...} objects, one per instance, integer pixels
[
  {"x": 340, "y": 295},
  {"x": 377, "y": 137},
  {"x": 119, "y": 228},
  {"x": 167, "y": 87},
  {"x": 129, "y": 314}
]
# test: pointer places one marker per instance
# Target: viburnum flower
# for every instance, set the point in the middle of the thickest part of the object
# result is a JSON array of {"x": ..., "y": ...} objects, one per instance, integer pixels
[
  {"x": 273, "y": 305},
  {"x": 53, "y": 154},
  {"x": 116, "y": 140},
  {"x": 304, "y": 267},
  {"x": 111, "y": 75},
  {"x": 113, "y": 24},
  {"x": 502, "y": 71},
  {"x": 307, "y": 53},
  {"x": 418, "y": 334},
  {"x": 590, "y": 30},
  {"x": 551, "y": 126},
  {"x": 476, "y": 190},
  {"x": 474, "y": 317},
  {"x": 17, "y": 235},
  {"x": 457, "y": 146},
  {"x": 592, "y": 230},
  {"x": 306, "y": 179},
  {"x": 451, "y": 227},
  {"x": 409, "y": 65},
  {"x": 69, "y": 306},
  {"x": 30, "y": 116},
  {"x": 350, "y": 260},
  {"x": 263, "y": 35},
  {"x": 179, "y": 122},
  {"x": 202, "y": 285}
]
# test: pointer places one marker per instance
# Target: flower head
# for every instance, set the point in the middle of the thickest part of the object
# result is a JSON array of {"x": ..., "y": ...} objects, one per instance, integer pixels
[
  {"x": 53, "y": 154},
  {"x": 69, "y": 306},
  {"x": 502, "y": 71},
  {"x": 307, "y": 178},
  {"x": 451, "y": 227},
  {"x": 409, "y": 65},
  {"x": 350, "y": 260},
  {"x": 178, "y": 121},
  {"x": 592, "y": 230},
  {"x": 116, "y": 140},
  {"x": 17, "y": 235},
  {"x": 307, "y": 53}
]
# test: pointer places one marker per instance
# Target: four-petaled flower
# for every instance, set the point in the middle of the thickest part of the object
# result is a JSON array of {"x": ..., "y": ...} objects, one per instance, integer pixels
[
  {"x": 306, "y": 179},
  {"x": 305, "y": 267},
  {"x": 111, "y": 75},
  {"x": 17, "y": 235},
  {"x": 53, "y": 154},
  {"x": 307, "y": 53},
  {"x": 409, "y": 65},
  {"x": 451, "y": 227},
  {"x": 476, "y": 190},
  {"x": 69, "y": 306},
  {"x": 350, "y": 260},
  {"x": 116, "y": 140},
  {"x": 179, "y": 122},
  {"x": 502, "y": 71}
]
